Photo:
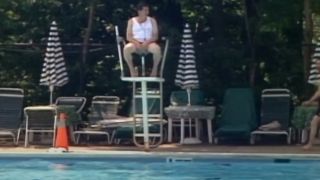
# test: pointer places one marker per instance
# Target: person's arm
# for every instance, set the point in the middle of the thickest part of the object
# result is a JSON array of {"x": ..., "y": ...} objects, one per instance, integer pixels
[
  {"x": 155, "y": 32},
  {"x": 313, "y": 99},
  {"x": 130, "y": 34}
]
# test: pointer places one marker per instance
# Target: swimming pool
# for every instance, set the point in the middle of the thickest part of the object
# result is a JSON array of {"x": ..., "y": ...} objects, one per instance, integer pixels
[{"x": 153, "y": 167}]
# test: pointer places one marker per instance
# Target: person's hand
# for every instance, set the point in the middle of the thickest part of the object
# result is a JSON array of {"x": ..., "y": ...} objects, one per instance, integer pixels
[
  {"x": 137, "y": 45},
  {"x": 307, "y": 103},
  {"x": 145, "y": 44}
]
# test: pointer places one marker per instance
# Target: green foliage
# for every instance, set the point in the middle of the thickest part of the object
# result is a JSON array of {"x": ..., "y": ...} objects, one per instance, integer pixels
[
  {"x": 302, "y": 116},
  {"x": 224, "y": 57}
]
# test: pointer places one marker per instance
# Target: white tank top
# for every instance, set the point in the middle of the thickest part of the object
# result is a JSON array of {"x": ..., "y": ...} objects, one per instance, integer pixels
[{"x": 142, "y": 31}]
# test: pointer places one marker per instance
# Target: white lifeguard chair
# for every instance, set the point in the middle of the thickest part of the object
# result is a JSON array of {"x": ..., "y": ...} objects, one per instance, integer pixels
[{"x": 144, "y": 94}]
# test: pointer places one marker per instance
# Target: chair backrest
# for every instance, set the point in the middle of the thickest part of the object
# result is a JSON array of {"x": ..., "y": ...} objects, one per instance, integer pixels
[
  {"x": 40, "y": 117},
  {"x": 77, "y": 102},
  {"x": 239, "y": 109},
  {"x": 275, "y": 106},
  {"x": 104, "y": 107},
  {"x": 11, "y": 107},
  {"x": 120, "y": 44},
  {"x": 180, "y": 98}
]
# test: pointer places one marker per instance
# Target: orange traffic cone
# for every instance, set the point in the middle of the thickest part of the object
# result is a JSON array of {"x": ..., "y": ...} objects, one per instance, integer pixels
[{"x": 62, "y": 140}]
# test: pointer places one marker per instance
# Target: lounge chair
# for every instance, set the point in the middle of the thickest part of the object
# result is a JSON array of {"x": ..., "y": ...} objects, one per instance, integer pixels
[
  {"x": 238, "y": 116},
  {"x": 124, "y": 128},
  {"x": 102, "y": 107},
  {"x": 77, "y": 102},
  {"x": 73, "y": 106},
  {"x": 40, "y": 119},
  {"x": 104, "y": 116},
  {"x": 275, "y": 114},
  {"x": 11, "y": 108}
]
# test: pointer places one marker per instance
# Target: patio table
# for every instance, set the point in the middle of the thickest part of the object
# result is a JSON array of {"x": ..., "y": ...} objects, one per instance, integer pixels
[{"x": 190, "y": 112}]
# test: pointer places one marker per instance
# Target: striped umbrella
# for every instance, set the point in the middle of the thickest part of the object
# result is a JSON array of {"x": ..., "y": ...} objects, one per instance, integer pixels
[
  {"x": 187, "y": 76},
  {"x": 314, "y": 76},
  {"x": 54, "y": 72}
]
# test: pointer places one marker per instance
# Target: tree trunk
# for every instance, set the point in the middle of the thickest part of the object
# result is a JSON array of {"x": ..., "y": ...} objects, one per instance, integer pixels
[
  {"x": 251, "y": 44},
  {"x": 307, "y": 37},
  {"x": 85, "y": 47},
  {"x": 218, "y": 26}
]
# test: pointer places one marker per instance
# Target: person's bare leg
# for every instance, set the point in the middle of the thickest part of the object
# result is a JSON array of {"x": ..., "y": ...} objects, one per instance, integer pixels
[
  {"x": 313, "y": 132},
  {"x": 155, "y": 50},
  {"x": 127, "y": 53}
]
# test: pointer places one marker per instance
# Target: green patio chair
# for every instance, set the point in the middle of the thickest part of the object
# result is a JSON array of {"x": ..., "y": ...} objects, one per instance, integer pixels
[{"x": 238, "y": 116}]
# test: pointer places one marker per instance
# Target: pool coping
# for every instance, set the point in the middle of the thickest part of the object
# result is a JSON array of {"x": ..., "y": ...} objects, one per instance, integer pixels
[{"x": 142, "y": 154}]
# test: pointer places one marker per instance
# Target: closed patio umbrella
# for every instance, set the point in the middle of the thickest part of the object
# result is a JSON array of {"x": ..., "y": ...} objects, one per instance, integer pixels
[
  {"x": 314, "y": 75},
  {"x": 54, "y": 72},
  {"x": 187, "y": 76}
]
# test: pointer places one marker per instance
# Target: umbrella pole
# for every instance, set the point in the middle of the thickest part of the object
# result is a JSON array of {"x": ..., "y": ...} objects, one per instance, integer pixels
[
  {"x": 189, "y": 96},
  {"x": 51, "y": 93},
  {"x": 189, "y": 104},
  {"x": 190, "y": 127}
]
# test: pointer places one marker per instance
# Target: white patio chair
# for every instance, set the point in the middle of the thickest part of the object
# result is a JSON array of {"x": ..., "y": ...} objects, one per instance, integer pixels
[{"x": 40, "y": 119}]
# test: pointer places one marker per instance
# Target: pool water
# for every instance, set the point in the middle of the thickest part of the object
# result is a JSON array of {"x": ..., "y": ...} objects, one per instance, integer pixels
[{"x": 158, "y": 168}]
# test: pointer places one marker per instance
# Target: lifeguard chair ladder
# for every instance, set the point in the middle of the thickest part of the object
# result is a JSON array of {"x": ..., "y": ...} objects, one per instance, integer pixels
[{"x": 144, "y": 94}]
